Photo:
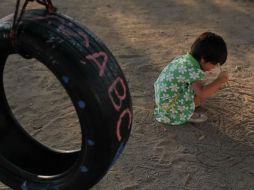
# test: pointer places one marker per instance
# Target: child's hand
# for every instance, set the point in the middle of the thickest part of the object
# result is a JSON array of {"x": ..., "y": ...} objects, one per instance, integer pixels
[{"x": 223, "y": 77}]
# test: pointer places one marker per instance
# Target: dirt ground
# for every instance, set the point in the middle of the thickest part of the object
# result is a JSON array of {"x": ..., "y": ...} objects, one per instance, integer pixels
[{"x": 144, "y": 35}]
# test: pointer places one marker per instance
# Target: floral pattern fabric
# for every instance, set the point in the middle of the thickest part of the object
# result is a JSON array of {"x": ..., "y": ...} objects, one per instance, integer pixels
[{"x": 174, "y": 97}]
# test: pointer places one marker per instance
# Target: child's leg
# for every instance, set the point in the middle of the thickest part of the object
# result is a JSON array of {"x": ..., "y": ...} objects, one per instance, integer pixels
[
  {"x": 197, "y": 117},
  {"x": 197, "y": 101}
]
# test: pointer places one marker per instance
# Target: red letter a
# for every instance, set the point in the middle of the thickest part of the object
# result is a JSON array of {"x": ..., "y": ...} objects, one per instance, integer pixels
[{"x": 102, "y": 65}]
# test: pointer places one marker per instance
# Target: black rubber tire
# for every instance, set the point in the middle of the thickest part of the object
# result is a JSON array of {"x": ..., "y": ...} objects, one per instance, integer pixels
[{"x": 99, "y": 92}]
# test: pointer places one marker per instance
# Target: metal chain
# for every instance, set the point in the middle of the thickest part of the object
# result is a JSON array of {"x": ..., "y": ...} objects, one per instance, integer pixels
[
  {"x": 48, "y": 5},
  {"x": 18, "y": 16}
]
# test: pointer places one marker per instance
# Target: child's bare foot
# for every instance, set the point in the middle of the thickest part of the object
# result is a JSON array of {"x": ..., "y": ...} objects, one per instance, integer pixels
[{"x": 198, "y": 118}]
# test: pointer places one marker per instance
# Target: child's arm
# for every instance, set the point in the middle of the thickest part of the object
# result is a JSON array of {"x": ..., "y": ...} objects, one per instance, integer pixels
[{"x": 203, "y": 92}]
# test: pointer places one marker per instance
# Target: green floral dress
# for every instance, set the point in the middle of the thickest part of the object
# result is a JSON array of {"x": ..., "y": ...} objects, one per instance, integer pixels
[{"x": 174, "y": 96}]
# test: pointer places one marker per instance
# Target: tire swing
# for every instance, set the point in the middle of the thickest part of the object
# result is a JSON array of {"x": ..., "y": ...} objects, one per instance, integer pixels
[{"x": 97, "y": 88}]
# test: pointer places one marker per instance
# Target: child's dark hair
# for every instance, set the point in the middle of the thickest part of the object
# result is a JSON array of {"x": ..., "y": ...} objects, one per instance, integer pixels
[{"x": 211, "y": 47}]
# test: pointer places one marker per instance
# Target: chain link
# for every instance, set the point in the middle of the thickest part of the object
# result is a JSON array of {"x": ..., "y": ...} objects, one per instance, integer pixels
[{"x": 18, "y": 16}]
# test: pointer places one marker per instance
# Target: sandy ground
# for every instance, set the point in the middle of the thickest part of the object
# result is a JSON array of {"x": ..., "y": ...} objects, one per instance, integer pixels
[{"x": 144, "y": 35}]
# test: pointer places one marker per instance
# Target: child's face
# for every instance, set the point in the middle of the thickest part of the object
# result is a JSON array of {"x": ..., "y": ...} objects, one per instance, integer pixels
[{"x": 207, "y": 66}]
